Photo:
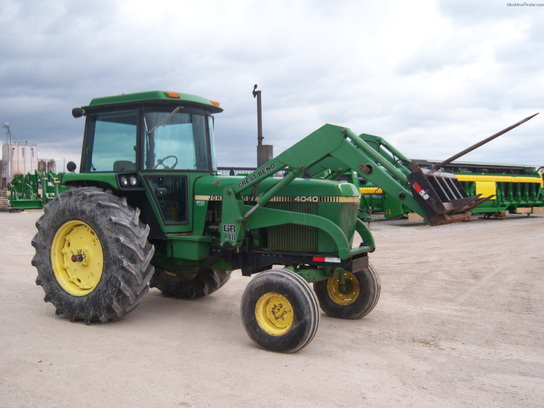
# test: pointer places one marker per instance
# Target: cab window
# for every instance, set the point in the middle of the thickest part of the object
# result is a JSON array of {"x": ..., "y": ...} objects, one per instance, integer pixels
[
  {"x": 176, "y": 140},
  {"x": 111, "y": 142}
]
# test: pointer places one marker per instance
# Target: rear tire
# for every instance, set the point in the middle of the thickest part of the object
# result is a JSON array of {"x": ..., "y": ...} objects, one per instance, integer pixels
[
  {"x": 203, "y": 284},
  {"x": 354, "y": 301},
  {"x": 92, "y": 255},
  {"x": 280, "y": 311}
]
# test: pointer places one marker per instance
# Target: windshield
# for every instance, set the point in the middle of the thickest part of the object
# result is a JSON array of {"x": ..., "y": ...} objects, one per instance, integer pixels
[{"x": 176, "y": 140}]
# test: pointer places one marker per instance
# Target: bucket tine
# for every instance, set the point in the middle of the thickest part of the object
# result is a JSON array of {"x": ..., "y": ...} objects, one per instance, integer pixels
[{"x": 441, "y": 195}]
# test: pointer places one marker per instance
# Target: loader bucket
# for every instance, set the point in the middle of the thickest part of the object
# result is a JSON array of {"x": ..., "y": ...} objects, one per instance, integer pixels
[{"x": 441, "y": 196}]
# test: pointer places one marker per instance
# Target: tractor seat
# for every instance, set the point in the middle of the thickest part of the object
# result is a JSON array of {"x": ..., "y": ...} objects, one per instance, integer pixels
[{"x": 123, "y": 165}]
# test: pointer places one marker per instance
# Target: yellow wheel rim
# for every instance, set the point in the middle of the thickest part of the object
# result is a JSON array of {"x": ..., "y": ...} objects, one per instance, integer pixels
[
  {"x": 343, "y": 294},
  {"x": 77, "y": 258},
  {"x": 274, "y": 314}
]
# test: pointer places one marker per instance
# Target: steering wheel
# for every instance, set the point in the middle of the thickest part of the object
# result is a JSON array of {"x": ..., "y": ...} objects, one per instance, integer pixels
[{"x": 160, "y": 162}]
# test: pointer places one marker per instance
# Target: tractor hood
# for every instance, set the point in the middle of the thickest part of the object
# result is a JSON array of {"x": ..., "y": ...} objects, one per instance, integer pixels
[{"x": 338, "y": 202}]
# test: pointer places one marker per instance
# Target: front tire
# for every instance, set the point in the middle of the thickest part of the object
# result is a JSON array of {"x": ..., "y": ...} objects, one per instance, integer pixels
[
  {"x": 280, "y": 311},
  {"x": 92, "y": 255},
  {"x": 353, "y": 299}
]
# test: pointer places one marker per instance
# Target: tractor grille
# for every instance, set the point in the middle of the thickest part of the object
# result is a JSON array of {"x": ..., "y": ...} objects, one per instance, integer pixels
[{"x": 290, "y": 237}]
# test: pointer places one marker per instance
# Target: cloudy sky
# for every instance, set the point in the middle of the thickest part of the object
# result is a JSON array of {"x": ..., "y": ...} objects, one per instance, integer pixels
[{"x": 430, "y": 76}]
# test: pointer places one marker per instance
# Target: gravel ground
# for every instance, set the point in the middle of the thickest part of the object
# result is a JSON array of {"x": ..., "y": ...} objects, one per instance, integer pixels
[{"x": 459, "y": 324}]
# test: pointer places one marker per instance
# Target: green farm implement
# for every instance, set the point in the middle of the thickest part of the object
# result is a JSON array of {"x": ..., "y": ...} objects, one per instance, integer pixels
[
  {"x": 148, "y": 208},
  {"x": 34, "y": 190},
  {"x": 521, "y": 194}
]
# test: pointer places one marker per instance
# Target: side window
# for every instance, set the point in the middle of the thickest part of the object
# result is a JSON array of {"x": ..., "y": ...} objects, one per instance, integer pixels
[{"x": 114, "y": 142}]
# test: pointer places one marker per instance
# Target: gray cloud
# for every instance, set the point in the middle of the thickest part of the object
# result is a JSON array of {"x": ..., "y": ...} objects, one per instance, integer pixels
[{"x": 430, "y": 77}]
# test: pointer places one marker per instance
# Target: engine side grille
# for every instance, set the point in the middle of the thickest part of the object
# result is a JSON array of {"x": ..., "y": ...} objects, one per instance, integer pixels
[{"x": 290, "y": 237}]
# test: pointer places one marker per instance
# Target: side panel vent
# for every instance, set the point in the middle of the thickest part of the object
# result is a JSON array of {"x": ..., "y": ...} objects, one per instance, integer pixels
[{"x": 291, "y": 237}]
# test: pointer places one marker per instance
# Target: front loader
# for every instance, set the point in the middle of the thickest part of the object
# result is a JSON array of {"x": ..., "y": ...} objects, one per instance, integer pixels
[{"x": 148, "y": 208}]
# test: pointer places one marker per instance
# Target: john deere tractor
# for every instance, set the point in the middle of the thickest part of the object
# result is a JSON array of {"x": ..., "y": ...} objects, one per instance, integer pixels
[{"x": 148, "y": 209}]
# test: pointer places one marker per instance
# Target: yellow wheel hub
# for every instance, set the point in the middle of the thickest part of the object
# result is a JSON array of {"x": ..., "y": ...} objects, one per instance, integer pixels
[
  {"x": 274, "y": 314},
  {"x": 77, "y": 258},
  {"x": 346, "y": 292}
]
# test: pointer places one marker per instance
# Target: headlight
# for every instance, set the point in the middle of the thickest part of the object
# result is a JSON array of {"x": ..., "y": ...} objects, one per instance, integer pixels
[{"x": 129, "y": 182}]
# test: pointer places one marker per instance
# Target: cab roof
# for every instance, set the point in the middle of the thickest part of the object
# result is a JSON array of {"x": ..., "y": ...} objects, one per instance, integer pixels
[{"x": 156, "y": 96}]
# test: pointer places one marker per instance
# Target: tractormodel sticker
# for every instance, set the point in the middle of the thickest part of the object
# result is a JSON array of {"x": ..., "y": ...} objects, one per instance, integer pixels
[
  {"x": 286, "y": 199},
  {"x": 229, "y": 228},
  {"x": 230, "y": 231}
]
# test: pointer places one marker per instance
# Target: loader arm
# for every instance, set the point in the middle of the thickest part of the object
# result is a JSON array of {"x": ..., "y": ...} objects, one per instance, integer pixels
[
  {"x": 339, "y": 149},
  {"x": 435, "y": 195}
]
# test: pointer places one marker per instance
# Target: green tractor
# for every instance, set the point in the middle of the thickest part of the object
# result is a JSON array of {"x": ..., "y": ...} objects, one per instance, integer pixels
[{"x": 149, "y": 209}]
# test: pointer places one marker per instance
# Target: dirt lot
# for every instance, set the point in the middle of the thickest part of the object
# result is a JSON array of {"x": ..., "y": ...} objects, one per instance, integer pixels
[{"x": 459, "y": 324}]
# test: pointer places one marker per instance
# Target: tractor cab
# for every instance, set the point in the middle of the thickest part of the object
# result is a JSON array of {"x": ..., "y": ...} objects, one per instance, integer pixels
[
  {"x": 147, "y": 132},
  {"x": 149, "y": 147}
]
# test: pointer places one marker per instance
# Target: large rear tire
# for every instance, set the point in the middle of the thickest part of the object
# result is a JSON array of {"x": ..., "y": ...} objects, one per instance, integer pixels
[
  {"x": 203, "y": 284},
  {"x": 354, "y": 299},
  {"x": 280, "y": 311},
  {"x": 92, "y": 255}
]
